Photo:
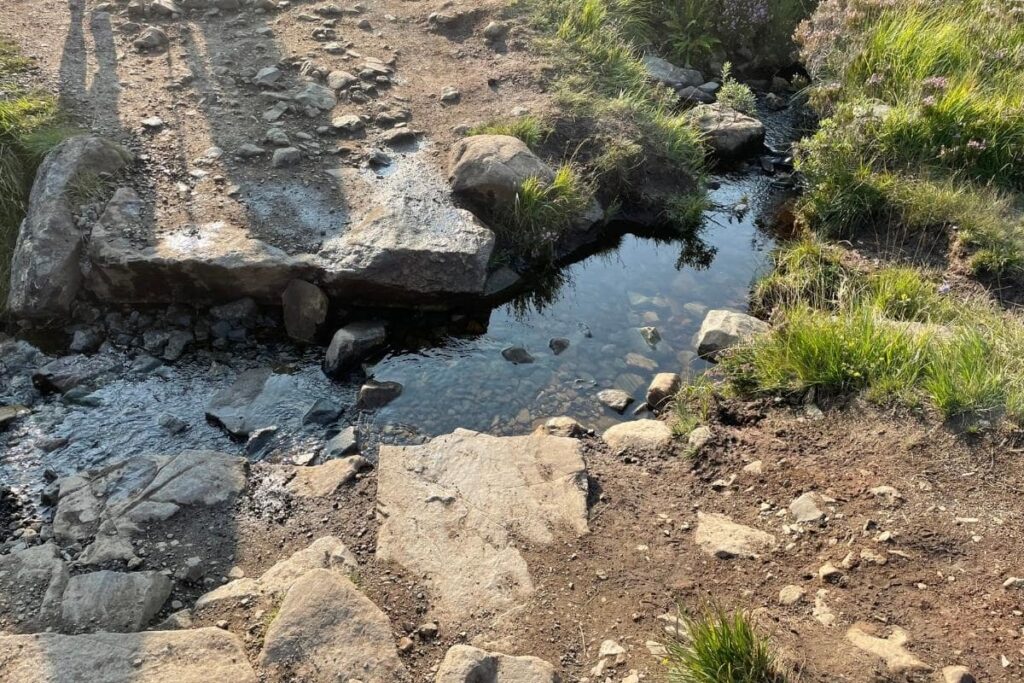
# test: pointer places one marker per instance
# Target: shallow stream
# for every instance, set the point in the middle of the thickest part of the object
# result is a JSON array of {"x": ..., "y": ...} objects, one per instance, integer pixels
[{"x": 449, "y": 380}]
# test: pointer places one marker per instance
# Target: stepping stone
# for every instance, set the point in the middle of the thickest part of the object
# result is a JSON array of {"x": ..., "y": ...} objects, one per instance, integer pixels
[{"x": 455, "y": 508}]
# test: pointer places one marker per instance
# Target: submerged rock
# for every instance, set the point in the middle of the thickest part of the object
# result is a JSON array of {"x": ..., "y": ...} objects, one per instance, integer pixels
[
  {"x": 373, "y": 395},
  {"x": 723, "y": 330}
]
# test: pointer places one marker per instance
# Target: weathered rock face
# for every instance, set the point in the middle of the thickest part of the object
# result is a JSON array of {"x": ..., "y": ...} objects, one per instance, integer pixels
[
  {"x": 462, "y": 499},
  {"x": 115, "y": 500},
  {"x": 317, "y": 481},
  {"x": 199, "y": 656},
  {"x": 667, "y": 73},
  {"x": 728, "y": 132},
  {"x": 324, "y": 553},
  {"x": 465, "y": 664},
  {"x": 45, "y": 271},
  {"x": 411, "y": 250},
  {"x": 214, "y": 262},
  {"x": 490, "y": 168},
  {"x": 722, "y": 330},
  {"x": 113, "y": 601},
  {"x": 32, "y": 582},
  {"x": 639, "y": 435},
  {"x": 326, "y": 631}
]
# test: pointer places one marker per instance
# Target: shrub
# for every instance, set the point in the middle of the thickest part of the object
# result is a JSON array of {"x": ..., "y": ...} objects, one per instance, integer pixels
[
  {"x": 721, "y": 647},
  {"x": 925, "y": 101},
  {"x": 735, "y": 94}
]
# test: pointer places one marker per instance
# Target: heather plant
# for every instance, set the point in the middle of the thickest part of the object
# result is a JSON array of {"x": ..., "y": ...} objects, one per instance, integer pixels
[{"x": 735, "y": 94}]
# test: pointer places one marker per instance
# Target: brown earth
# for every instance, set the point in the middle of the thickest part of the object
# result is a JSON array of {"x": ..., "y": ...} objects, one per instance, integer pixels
[{"x": 955, "y": 537}]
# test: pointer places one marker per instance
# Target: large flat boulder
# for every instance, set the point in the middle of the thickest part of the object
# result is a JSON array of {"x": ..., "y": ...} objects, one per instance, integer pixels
[
  {"x": 464, "y": 500},
  {"x": 327, "y": 631},
  {"x": 727, "y": 132},
  {"x": 113, "y": 601},
  {"x": 45, "y": 271},
  {"x": 199, "y": 656},
  {"x": 209, "y": 262},
  {"x": 119, "y": 498},
  {"x": 465, "y": 664}
]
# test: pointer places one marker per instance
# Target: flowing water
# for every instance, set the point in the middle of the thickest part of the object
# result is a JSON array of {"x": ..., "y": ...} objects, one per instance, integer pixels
[{"x": 450, "y": 379}]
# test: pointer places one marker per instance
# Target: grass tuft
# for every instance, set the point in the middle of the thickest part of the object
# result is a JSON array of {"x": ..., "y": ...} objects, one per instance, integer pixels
[
  {"x": 28, "y": 130},
  {"x": 721, "y": 647},
  {"x": 530, "y": 129},
  {"x": 542, "y": 212}
]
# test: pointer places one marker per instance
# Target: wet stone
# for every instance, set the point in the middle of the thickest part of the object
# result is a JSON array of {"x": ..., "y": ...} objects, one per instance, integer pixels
[{"x": 517, "y": 355}]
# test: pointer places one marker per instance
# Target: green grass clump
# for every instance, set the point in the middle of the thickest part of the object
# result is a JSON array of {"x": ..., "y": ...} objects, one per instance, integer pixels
[
  {"x": 28, "y": 130},
  {"x": 542, "y": 212},
  {"x": 620, "y": 126},
  {"x": 925, "y": 127},
  {"x": 721, "y": 647},
  {"x": 530, "y": 129},
  {"x": 692, "y": 405},
  {"x": 893, "y": 333},
  {"x": 806, "y": 271}
]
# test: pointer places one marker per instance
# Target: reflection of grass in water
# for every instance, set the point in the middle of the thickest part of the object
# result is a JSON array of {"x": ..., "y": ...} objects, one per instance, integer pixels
[{"x": 547, "y": 284}]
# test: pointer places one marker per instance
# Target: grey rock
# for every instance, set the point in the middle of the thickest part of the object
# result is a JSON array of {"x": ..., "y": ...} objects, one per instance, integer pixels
[
  {"x": 190, "y": 656},
  {"x": 317, "y": 97},
  {"x": 669, "y": 74},
  {"x": 450, "y": 95},
  {"x": 337, "y": 80},
  {"x": 373, "y": 395},
  {"x": 351, "y": 344},
  {"x": 343, "y": 443},
  {"x": 517, "y": 355},
  {"x": 267, "y": 76},
  {"x": 495, "y": 30},
  {"x": 719, "y": 536},
  {"x": 32, "y": 581},
  {"x": 490, "y": 168},
  {"x": 86, "y": 340},
  {"x": 113, "y": 601},
  {"x": 324, "y": 618},
  {"x": 305, "y": 310},
  {"x": 639, "y": 435},
  {"x": 692, "y": 96},
  {"x": 663, "y": 389},
  {"x": 348, "y": 123},
  {"x": 45, "y": 266},
  {"x": 723, "y": 330},
  {"x": 808, "y": 508},
  {"x": 469, "y": 500},
  {"x": 249, "y": 151},
  {"x": 319, "y": 481},
  {"x": 286, "y": 156},
  {"x": 728, "y": 132},
  {"x": 151, "y": 38}
]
